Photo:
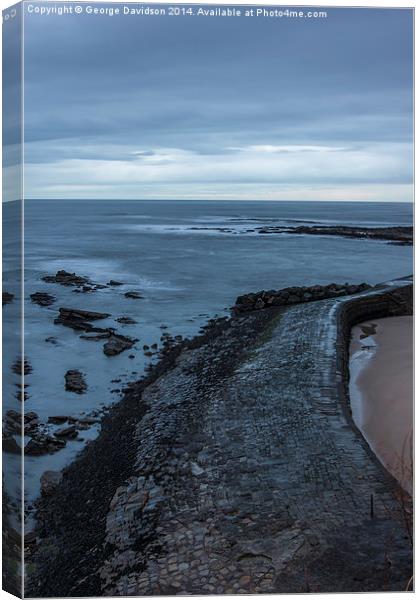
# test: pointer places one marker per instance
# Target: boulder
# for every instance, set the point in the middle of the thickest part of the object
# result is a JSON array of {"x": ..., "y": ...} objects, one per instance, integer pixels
[
  {"x": 75, "y": 382},
  {"x": 133, "y": 294},
  {"x": 43, "y": 444}
]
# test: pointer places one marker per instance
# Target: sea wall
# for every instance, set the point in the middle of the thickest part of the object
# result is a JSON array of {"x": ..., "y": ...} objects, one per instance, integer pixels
[
  {"x": 236, "y": 469},
  {"x": 295, "y": 295}
]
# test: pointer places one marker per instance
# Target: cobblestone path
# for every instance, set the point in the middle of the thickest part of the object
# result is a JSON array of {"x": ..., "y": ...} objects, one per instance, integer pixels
[{"x": 257, "y": 480}]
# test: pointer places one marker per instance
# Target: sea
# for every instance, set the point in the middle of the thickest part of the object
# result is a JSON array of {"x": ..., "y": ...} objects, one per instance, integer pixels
[{"x": 188, "y": 259}]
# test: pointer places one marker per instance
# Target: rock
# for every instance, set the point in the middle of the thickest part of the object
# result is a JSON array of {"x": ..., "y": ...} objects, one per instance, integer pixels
[
  {"x": 43, "y": 444},
  {"x": 88, "y": 421},
  {"x": 7, "y": 298},
  {"x": 10, "y": 445},
  {"x": 75, "y": 382},
  {"x": 117, "y": 343},
  {"x": 13, "y": 422},
  {"x": 58, "y": 419},
  {"x": 133, "y": 294},
  {"x": 51, "y": 340},
  {"x": 67, "y": 432},
  {"x": 18, "y": 368},
  {"x": 50, "y": 480},
  {"x": 79, "y": 319},
  {"x": 65, "y": 278},
  {"x": 126, "y": 320},
  {"x": 42, "y": 299},
  {"x": 114, "y": 283}
]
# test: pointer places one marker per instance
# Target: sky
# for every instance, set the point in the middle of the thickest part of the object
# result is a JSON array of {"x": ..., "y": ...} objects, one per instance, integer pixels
[{"x": 219, "y": 108}]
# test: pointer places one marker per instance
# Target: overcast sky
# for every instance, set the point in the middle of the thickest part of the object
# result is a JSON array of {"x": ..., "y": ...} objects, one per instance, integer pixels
[{"x": 229, "y": 108}]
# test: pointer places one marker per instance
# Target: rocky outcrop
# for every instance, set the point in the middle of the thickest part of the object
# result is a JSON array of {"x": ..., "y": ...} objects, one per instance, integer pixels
[
  {"x": 400, "y": 235},
  {"x": 65, "y": 278},
  {"x": 75, "y": 381},
  {"x": 295, "y": 295},
  {"x": 78, "y": 319},
  {"x": 42, "y": 299}
]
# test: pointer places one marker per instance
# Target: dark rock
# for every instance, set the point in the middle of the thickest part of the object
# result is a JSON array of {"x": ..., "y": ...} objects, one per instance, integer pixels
[
  {"x": 75, "y": 382},
  {"x": 58, "y": 419},
  {"x": 117, "y": 343},
  {"x": 50, "y": 480},
  {"x": 126, "y": 320},
  {"x": 7, "y": 298},
  {"x": 51, "y": 340},
  {"x": 78, "y": 319},
  {"x": 43, "y": 444},
  {"x": 67, "y": 432},
  {"x": 65, "y": 278},
  {"x": 18, "y": 368},
  {"x": 43, "y": 299},
  {"x": 133, "y": 294},
  {"x": 114, "y": 283}
]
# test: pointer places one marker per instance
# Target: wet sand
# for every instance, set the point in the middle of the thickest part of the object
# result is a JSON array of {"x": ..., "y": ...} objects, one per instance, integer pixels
[{"x": 381, "y": 391}]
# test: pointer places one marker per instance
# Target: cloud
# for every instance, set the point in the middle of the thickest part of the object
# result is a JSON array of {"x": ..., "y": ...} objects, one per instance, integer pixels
[
  {"x": 270, "y": 108},
  {"x": 150, "y": 171}
]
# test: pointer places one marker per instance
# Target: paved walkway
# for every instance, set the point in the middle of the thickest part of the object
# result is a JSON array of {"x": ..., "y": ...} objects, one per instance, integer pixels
[{"x": 256, "y": 480}]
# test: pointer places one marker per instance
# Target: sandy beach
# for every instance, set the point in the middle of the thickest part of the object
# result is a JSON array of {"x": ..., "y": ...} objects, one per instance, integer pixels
[{"x": 381, "y": 391}]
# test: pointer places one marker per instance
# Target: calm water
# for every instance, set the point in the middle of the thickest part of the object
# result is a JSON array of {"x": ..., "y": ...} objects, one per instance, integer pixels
[{"x": 186, "y": 275}]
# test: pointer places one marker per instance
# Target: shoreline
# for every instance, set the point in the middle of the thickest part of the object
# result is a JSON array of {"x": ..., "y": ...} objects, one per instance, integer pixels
[
  {"x": 165, "y": 430},
  {"x": 381, "y": 391}
]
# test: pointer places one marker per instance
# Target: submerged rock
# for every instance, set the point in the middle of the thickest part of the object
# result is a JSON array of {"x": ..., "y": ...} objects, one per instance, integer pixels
[
  {"x": 75, "y": 382},
  {"x": 133, "y": 294},
  {"x": 43, "y": 299},
  {"x": 112, "y": 282},
  {"x": 126, "y": 320}
]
